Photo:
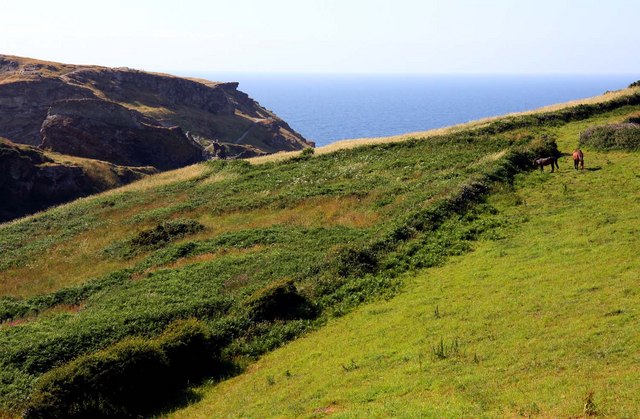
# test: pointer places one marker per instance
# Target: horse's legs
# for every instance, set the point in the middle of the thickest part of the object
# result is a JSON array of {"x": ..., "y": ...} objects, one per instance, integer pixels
[{"x": 575, "y": 164}]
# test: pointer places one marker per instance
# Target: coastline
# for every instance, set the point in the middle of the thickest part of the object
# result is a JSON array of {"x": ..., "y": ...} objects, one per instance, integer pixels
[{"x": 361, "y": 142}]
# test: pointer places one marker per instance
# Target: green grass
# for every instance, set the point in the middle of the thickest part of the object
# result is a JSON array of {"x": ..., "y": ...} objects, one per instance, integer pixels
[
  {"x": 525, "y": 325},
  {"x": 256, "y": 225},
  {"x": 343, "y": 227}
]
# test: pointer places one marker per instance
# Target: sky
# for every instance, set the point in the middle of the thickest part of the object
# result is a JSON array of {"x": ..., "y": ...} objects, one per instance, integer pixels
[{"x": 330, "y": 36}]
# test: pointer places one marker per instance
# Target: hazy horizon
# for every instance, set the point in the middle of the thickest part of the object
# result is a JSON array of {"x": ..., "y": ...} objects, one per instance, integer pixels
[{"x": 501, "y": 37}]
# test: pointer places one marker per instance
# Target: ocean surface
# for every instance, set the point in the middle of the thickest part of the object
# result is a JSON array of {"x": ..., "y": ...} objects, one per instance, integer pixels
[{"x": 328, "y": 108}]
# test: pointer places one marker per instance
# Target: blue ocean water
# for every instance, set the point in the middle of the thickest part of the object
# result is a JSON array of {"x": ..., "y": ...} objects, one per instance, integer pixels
[{"x": 327, "y": 108}]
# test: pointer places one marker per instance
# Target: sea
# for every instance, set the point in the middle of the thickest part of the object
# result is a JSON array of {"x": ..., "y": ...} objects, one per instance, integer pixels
[{"x": 327, "y": 108}]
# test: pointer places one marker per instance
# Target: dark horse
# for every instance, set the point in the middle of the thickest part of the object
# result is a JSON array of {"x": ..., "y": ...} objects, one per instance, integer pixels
[
  {"x": 545, "y": 161},
  {"x": 578, "y": 159}
]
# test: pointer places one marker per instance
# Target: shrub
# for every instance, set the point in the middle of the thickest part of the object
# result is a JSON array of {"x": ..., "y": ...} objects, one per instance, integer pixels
[
  {"x": 130, "y": 378},
  {"x": 164, "y": 233},
  {"x": 355, "y": 261},
  {"x": 155, "y": 238},
  {"x": 544, "y": 146},
  {"x": 123, "y": 380},
  {"x": 279, "y": 301},
  {"x": 190, "y": 349},
  {"x": 307, "y": 152},
  {"x": 625, "y": 136},
  {"x": 633, "y": 119}
]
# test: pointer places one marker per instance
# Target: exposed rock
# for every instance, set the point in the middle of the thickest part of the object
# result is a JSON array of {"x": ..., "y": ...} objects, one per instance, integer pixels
[
  {"x": 216, "y": 112},
  {"x": 31, "y": 180},
  {"x": 122, "y": 116},
  {"x": 24, "y": 105},
  {"x": 104, "y": 130}
]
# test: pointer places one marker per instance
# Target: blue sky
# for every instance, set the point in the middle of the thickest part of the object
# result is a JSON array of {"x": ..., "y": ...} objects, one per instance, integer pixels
[{"x": 331, "y": 36}]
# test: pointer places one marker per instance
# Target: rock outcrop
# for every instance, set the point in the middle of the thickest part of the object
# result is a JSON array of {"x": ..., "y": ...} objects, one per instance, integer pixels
[
  {"x": 31, "y": 180},
  {"x": 129, "y": 123},
  {"x": 103, "y": 130},
  {"x": 42, "y": 98}
]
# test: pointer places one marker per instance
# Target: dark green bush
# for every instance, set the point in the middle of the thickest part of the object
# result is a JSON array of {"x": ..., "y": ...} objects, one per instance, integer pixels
[
  {"x": 128, "y": 379},
  {"x": 309, "y": 151},
  {"x": 633, "y": 119},
  {"x": 164, "y": 233},
  {"x": 191, "y": 350},
  {"x": 124, "y": 380},
  {"x": 355, "y": 261},
  {"x": 544, "y": 146},
  {"x": 625, "y": 136},
  {"x": 155, "y": 238},
  {"x": 279, "y": 300}
]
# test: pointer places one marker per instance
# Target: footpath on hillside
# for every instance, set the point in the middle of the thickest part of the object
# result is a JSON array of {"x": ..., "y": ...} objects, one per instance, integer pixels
[{"x": 540, "y": 322}]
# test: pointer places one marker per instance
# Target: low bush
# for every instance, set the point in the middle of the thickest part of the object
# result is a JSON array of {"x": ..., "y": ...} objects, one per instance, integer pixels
[
  {"x": 164, "y": 233},
  {"x": 625, "y": 136},
  {"x": 354, "y": 261},
  {"x": 544, "y": 146},
  {"x": 154, "y": 238},
  {"x": 128, "y": 379},
  {"x": 124, "y": 380},
  {"x": 192, "y": 351},
  {"x": 279, "y": 300}
]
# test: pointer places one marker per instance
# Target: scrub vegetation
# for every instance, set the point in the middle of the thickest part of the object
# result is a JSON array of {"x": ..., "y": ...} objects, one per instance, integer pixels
[
  {"x": 241, "y": 258},
  {"x": 539, "y": 320}
]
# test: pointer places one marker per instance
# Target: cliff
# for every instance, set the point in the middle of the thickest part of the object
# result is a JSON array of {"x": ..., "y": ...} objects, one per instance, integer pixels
[
  {"x": 32, "y": 180},
  {"x": 104, "y": 130},
  {"x": 39, "y": 107},
  {"x": 128, "y": 122}
]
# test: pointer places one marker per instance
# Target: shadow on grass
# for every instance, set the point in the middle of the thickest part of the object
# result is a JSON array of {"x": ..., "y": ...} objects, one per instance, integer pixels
[
  {"x": 186, "y": 396},
  {"x": 592, "y": 169}
]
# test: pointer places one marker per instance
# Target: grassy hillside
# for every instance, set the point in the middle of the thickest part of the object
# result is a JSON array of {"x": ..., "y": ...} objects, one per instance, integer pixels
[
  {"x": 529, "y": 324},
  {"x": 258, "y": 253}
]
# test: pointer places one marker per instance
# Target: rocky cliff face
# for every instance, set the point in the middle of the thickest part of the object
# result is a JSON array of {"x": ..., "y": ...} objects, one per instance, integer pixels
[
  {"x": 123, "y": 119},
  {"x": 40, "y": 98},
  {"x": 103, "y": 130},
  {"x": 31, "y": 180}
]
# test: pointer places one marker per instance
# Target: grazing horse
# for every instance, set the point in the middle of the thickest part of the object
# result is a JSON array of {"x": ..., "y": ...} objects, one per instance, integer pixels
[
  {"x": 545, "y": 161},
  {"x": 578, "y": 159}
]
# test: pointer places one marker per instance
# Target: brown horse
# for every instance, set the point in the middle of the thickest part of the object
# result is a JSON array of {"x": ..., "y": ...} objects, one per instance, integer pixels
[
  {"x": 545, "y": 161},
  {"x": 578, "y": 159}
]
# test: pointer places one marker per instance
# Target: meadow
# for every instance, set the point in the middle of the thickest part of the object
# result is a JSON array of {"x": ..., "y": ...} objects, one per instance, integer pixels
[
  {"x": 228, "y": 242},
  {"x": 538, "y": 320}
]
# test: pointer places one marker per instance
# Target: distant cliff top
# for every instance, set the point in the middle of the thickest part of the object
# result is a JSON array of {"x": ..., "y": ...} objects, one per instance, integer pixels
[{"x": 224, "y": 121}]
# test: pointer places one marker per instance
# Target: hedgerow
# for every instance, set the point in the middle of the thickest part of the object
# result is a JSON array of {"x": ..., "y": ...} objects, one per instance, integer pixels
[
  {"x": 130, "y": 378},
  {"x": 625, "y": 136}
]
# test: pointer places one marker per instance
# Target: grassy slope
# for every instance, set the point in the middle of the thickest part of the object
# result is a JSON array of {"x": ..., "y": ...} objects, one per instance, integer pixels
[
  {"x": 261, "y": 223},
  {"x": 78, "y": 288},
  {"x": 542, "y": 317}
]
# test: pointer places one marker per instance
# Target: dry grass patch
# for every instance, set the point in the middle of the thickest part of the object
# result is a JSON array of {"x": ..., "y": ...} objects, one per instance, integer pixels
[
  {"x": 162, "y": 179},
  {"x": 219, "y": 177},
  {"x": 70, "y": 263},
  {"x": 314, "y": 212}
]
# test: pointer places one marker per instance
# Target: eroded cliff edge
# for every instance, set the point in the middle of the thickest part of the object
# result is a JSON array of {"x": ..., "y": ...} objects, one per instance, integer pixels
[
  {"x": 71, "y": 104},
  {"x": 124, "y": 123}
]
